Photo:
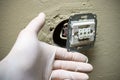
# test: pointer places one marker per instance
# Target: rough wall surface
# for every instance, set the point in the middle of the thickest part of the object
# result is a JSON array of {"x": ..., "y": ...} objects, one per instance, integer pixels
[{"x": 105, "y": 56}]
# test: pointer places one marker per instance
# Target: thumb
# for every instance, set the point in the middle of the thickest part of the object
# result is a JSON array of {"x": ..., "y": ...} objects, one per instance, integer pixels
[{"x": 37, "y": 23}]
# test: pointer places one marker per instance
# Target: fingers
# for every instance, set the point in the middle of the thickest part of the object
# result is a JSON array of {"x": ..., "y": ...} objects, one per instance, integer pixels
[
  {"x": 37, "y": 23},
  {"x": 62, "y": 75},
  {"x": 72, "y": 66},
  {"x": 62, "y": 54}
]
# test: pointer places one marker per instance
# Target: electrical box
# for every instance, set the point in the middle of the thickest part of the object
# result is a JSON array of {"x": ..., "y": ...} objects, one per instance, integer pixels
[{"x": 81, "y": 32}]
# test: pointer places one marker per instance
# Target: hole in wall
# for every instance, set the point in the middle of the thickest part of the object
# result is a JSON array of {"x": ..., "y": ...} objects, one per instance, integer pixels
[{"x": 60, "y": 33}]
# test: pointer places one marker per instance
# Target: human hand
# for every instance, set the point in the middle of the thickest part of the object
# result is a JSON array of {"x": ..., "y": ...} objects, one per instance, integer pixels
[{"x": 31, "y": 59}]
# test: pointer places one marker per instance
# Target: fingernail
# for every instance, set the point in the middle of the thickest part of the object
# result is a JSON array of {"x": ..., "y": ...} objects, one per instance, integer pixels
[{"x": 86, "y": 60}]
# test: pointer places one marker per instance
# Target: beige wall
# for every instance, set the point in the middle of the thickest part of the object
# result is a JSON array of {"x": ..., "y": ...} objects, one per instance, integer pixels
[{"x": 105, "y": 56}]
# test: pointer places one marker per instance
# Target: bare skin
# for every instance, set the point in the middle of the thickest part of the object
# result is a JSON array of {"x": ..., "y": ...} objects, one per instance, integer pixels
[{"x": 31, "y": 59}]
